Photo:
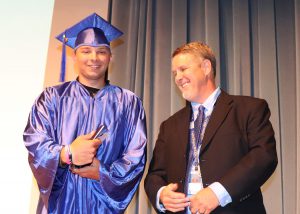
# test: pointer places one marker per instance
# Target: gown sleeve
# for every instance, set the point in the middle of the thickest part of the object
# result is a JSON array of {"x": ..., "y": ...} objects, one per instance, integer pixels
[
  {"x": 119, "y": 180},
  {"x": 41, "y": 143}
]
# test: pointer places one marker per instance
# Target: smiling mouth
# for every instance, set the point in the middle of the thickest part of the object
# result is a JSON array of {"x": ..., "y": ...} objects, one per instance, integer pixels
[
  {"x": 185, "y": 85},
  {"x": 94, "y": 66}
]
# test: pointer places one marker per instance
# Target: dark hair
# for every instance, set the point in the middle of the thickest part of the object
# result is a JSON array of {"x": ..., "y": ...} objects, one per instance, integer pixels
[{"x": 198, "y": 49}]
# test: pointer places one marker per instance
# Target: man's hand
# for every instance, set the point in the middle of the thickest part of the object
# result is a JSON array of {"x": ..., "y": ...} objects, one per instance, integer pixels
[
  {"x": 204, "y": 202},
  {"x": 91, "y": 171},
  {"x": 84, "y": 149},
  {"x": 173, "y": 201}
]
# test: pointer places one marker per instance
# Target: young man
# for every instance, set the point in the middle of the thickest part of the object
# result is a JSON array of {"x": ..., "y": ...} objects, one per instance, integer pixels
[
  {"x": 213, "y": 155},
  {"x": 76, "y": 172}
]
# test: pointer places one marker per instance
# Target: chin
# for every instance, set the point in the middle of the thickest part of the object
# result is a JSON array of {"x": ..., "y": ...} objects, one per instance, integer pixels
[
  {"x": 185, "y": 96},
  {"x": 188, "y": 98}
]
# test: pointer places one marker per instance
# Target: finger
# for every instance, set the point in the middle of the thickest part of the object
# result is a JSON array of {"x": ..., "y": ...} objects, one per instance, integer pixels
[
  {"x": 202, "y": 212},
  {"x": 170, "y": 191},
  {"x": 174, "y": 195},
  {"x": 194, "y": 209},
  {"x": 175, "y": 210},
  {"x": 73, "y": 170},
  {"x": 199, "y": 210},
  {"x": 180, "y": 201},
  {"x": 176, "y": 205},
  {"x": 173, "y": 186},
  {"x": 88, "y": 136},
  {"x": 178, "y": 195},
  {"x": 176, "y": 202},
  {"x": 83, "y": 172},
  {"x": 97, "y": 142}
]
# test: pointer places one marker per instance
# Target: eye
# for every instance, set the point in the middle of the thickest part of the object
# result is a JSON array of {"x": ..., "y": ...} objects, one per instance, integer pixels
[
  {"x": 102, "y": 52},
  {"x": 181, "y": 70},
  {"x": 85, "y": 51}
]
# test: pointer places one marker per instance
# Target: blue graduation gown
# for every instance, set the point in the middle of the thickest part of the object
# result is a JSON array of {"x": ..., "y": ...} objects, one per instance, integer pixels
[{"x": 62, "y": 113}]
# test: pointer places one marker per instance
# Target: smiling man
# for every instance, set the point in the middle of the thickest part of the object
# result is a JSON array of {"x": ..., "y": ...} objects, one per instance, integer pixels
[
  {"x": 75, "y": 172},
  {"x": 213, "y": 155},
  {"x": 92, "y": 63}
]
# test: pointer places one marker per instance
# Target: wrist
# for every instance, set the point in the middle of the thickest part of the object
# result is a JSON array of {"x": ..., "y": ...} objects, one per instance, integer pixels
[
  {"x": 62, "y": 160},
  {"x": 221, "y": 193},
  {"x": 66, "y": 155},
  {"x": 159, "y": 204}
]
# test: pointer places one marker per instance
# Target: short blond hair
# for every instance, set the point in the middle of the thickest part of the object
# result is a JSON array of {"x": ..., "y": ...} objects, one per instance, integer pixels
[{"x": 198, "y": 49}]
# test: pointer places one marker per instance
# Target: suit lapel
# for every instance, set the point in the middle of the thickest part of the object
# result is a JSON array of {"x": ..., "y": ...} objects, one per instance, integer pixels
[
  {"x": 221, "y": 109},
  {"x": 183, "y": 129},
  {"x": 182, "y": 134}
]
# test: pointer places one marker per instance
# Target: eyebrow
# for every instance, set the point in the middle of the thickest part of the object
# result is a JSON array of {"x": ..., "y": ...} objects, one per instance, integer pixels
[
  {"x": 181, "y": 67},
  {"x": 101, "y": 47}
]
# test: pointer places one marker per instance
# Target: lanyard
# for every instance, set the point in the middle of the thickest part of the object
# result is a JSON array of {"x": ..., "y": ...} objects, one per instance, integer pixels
[
  {"x": 196, "y": 145},
  {"x": 196, "y": 150}
]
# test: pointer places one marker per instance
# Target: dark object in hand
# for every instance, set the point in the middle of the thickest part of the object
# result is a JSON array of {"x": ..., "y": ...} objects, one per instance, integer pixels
[{"x": 99, "y": 132}]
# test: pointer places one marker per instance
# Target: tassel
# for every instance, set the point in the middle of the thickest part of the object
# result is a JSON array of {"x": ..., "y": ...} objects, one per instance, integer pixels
[{"x": 63, "y": 60}]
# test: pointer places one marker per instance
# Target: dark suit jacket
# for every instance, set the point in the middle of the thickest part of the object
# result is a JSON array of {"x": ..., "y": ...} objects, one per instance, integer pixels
[{"x": 238, "y": 150}]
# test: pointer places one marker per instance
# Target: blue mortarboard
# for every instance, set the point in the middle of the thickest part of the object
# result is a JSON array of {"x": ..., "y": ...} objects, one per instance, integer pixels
[{"x": 91, "y": 31}]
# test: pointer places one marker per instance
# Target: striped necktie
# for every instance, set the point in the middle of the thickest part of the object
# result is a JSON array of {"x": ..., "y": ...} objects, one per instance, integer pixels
[{"x": 198, "y": 127}]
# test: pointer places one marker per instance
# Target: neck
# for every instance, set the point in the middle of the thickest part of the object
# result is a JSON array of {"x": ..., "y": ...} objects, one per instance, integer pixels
[
  {"x": 92, "y": 83},
  {"x": 207, "y": 91}
]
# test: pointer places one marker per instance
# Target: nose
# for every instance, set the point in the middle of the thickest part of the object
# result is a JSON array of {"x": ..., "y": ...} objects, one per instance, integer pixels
[
  {"x": 178, "y": 76},
  {"x": 93, "y": 55}
]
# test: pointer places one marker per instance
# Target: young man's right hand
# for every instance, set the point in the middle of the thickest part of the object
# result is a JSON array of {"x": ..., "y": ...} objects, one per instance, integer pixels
[{"x": 84, "y": 149}]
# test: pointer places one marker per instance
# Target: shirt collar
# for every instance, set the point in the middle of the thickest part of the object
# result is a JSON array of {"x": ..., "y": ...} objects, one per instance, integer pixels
[{"x": 208, "y": 103}]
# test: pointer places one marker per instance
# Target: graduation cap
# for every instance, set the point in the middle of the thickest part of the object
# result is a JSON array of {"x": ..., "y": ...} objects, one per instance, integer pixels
[{"x": 91, "y": 31}]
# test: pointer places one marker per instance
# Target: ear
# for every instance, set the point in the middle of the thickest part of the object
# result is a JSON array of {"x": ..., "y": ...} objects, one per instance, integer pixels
[
  {"x": 74, "y": 56},
  {"x": 111, "y": 58},
  {"x": 207, "y": 67}
]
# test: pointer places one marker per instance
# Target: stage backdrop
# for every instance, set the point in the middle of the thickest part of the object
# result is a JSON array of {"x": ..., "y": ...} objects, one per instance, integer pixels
[{"x": 257, "y": 45}]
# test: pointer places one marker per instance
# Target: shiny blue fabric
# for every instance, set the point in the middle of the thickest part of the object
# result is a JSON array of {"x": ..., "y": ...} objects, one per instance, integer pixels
[
  {"x": 92, "y": 21},
  {"x": 59, "y": 115},
  {"x": 92, "y": 37}
]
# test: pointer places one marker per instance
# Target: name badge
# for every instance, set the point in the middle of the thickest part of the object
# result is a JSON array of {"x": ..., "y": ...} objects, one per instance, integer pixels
[
  {"x": 194, "y": 188},
  {"x": 195, "y": 184}
]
